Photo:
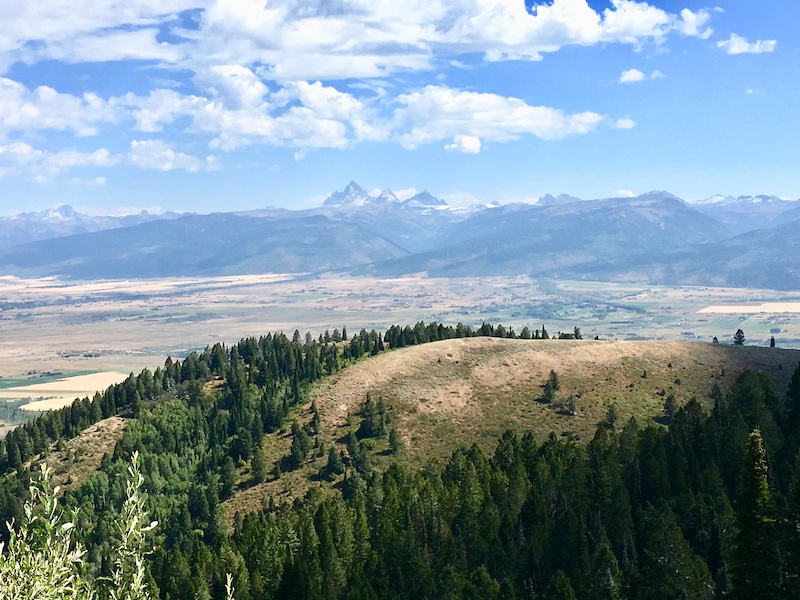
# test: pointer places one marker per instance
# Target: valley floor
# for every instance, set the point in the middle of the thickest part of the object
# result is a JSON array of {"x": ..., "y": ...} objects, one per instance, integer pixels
[{"x": 73, "y": 327}]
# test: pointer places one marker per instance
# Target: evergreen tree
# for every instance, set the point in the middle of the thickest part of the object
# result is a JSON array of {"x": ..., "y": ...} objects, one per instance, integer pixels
[
  {"x": 395, "y": 442},
  {"x": 738, "y": 338},
  {"x": 335, "y": 464},
  {"x": 670, "y": 407},
  {"x": 756, "y": 568},
  {"x": 227, "y": 478},
  {"x": 551, "y": 388},
  {"x": 258, "y": 465},
  {"x": 559, "y": 588},
  {"x": 668, "y": 568}
]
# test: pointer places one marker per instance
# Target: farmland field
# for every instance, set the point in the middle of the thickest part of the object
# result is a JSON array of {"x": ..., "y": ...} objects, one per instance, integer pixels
[{"x": 72, "y": 328}]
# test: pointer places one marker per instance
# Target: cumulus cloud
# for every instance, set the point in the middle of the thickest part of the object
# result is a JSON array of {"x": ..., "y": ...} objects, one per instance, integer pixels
[
  {"x": 694, "y": 24},
  {"x": 22, "y": 159},
  {"x": 437, "y": 113},
  {"x": 631, "y": 76},
  {"x": 624, "y": 193},
  {"x": 266, "y": 72},
  {"x": 625, "y": 123},
  {"x": 158, "y": 155},
  {"x": 22, "y": 109},
  {"x": 635, "y": 75},
  {"x": 307, "y": 40},
  {"x": 466, "y": 144},
  {"x": 737, "y": 44}
]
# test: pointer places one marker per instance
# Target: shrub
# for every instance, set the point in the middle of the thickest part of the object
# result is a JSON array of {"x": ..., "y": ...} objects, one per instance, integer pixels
[{"x": 43, "y": 562}]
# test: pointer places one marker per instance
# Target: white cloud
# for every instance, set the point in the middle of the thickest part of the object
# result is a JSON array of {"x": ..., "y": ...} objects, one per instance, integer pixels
[
  {"x": 22, "y": 159},
  {"x": 104, "y": 46},
  {"x": 235, "y": 85},
  {"x": 635, "y": 75},
  {"x": 406, "y": 193},
  {"x": 88, "y": 182},
  {"x": 624, "y": 193},
  {"x": 437, "y": 113},
  {"x": 739, "y": 45},
  {"x": 693, "y": 24},
  {"x": 25, "y": 110},
  {"x": 625, "y": 123},
  {"x": 159, "y": 156},
  {"x": 257, "y": 69},
  {"x": 296, "y": 40},
  {"x": 632, "y": 75},
  {"x": 466, "y": 144},
  {"x": 73, "y": 28}
]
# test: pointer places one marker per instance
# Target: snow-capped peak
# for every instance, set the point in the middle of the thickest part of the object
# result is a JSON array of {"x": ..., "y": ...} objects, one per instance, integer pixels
[
  {"x": 353, "y": 194},
  {"x": 385, "y": 197},
  {"x": 720, "y": 200}
]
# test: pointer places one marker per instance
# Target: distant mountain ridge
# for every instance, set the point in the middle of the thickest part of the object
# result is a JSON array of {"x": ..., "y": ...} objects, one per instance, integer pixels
[
  {"x": 63, "y": 221},
  {"x": 354, "y": 195},
  {"x": 655, "y": 237}
]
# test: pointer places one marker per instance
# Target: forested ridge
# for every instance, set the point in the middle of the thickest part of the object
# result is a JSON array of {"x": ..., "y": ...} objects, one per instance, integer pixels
[{"x": 708, "y": 506}]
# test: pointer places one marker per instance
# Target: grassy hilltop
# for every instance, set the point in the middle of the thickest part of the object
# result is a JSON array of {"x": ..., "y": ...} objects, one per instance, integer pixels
[{"x": 451, "y": 393}]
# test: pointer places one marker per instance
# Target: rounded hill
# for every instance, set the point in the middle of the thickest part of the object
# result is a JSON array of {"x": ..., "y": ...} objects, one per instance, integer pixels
[{"x": 445, "y": 394}]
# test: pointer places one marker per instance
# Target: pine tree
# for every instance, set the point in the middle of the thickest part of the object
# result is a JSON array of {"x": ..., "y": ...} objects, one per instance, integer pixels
[
  {"x": 395, "y": 442},
  {"x": 738, "y": 338},
  {"x": 670, "y": 407},
  {"x": 551, "y": 387},
  {"x": 258, "y": 465},
  {"x": 756, "y": 569},
  {"x": 668, "y": 568},
  {"x": 559, "y": 588},
  {"x": 335, "y": 464}
]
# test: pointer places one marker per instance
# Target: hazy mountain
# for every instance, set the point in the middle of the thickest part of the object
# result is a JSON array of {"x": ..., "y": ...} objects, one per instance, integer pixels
[
  {"x": 63, "y": 221},
  {"x": 216, "y": 244},
  {"x": 748, "y": 213},
  {"x": 653, "y": 237},
  {"x": 550, "y": 200},
  {"x": 577, "y": 239},
  {"x": 423, "y": 200},
  {"x": 767, "y": 258}
]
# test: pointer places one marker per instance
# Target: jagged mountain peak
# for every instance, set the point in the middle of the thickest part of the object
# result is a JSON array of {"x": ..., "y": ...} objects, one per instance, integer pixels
[
  {"x": 424, "y": 199},
  {"x": 64, "y": 212},
  {"x": 353, "y": 194},
  {"x": 385, "y": 197}
]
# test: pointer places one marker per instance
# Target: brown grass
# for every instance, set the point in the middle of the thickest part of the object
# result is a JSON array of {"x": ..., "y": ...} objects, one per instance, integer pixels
[
  {"x": 471, "y": 390},
  {"x": 82, "y": 455}
]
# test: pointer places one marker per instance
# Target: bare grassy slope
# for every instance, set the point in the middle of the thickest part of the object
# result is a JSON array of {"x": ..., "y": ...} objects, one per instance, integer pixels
[
  {"x": 459, "y": 391},
  {"x": 81, "y": 456}
]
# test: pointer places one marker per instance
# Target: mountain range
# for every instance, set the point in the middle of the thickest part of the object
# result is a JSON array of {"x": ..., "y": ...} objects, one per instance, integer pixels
[{"x": 745, "y": 241}]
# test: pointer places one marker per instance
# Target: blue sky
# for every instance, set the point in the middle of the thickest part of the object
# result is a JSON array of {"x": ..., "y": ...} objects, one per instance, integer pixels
[{"x": 209, "y": 105}]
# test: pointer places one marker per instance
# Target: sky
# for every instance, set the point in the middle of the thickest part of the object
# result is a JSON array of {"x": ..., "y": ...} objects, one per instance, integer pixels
[{"x": 216, "y": 105}]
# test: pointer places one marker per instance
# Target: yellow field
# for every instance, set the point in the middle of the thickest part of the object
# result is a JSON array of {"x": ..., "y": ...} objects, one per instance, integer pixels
[
  {"x": 764, "y": 308},
  {"x": 55, "y": 394}
]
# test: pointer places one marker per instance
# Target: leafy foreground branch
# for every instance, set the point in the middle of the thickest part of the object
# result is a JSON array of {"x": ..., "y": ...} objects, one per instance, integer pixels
[{"x": 42, "y": 562}]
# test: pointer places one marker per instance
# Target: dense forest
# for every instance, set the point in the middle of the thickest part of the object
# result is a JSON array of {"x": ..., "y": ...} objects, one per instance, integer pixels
[{"x": 706, "y": 506}]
